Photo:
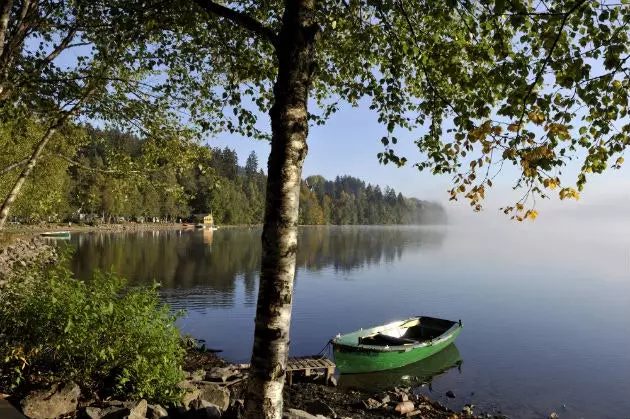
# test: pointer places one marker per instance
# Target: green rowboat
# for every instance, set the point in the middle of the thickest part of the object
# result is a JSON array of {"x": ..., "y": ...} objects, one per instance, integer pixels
[
  {"x": 393, "y": 345},
  {"x": 417, "y": 373},
  {"x": 56, "y": 234}
]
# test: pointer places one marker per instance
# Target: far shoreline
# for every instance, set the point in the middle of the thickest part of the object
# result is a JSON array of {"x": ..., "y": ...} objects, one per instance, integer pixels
[{"x": 20, "y": 230}]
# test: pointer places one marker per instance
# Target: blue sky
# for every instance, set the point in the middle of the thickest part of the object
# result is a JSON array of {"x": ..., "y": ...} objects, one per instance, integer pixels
[{"x": 349, "y": 142}]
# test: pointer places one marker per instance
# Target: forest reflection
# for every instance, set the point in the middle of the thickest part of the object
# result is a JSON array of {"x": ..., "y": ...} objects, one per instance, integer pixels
[{"x": 205, "y": 268}]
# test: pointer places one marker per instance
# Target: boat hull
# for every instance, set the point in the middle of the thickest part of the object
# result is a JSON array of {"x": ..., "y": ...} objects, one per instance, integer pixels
[
  {"x": 56, "y": 234},
  {"x": 357, "y": 359},
  {"x": 416, "y": 373}
]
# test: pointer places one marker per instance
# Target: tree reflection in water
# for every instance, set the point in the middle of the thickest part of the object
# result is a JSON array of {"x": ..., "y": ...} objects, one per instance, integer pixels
[{"x": 205, "y": 267}]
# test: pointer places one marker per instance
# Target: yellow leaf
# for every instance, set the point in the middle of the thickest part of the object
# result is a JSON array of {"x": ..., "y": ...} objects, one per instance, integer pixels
[
  {"x": 620, "y": 160},
  {"x": 533, "y": 214},
  {"x": 513, "y": 127}
]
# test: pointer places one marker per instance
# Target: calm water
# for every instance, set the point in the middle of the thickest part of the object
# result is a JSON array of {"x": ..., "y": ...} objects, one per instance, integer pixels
[{"x": 546, "y": 309}]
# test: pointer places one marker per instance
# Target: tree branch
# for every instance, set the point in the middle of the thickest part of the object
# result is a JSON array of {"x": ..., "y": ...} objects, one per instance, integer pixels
[
  {"x": 91, "y": 169},
  {"x": 241, "y": 19},
  {"x": 541, "y": 70},
  {"x": 13, "y": 166},
  {"x": 62, "y": 45}
]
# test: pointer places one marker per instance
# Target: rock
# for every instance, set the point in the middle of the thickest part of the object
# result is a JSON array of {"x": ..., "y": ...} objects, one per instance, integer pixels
[
  {"x": 59, "y": 400},
  {"x": 93, "y": 413},
  {"x": 332, "y": 381},
  {"x": 318, "y": 407},
  {"x": 467, "y": 410},
  {"x": 155, "y": 411},
  {"x": 137, "y": 410},
  {"x": 403, "y": 397},
  {"x": 405, "y": 407},
  {"x": 371, "y": 404},
  {"x": 115, "y": 412},
  {"x": 300, "y": 414},
  {"x": 385, "y": 399},
  {"x": 213, "y": 393},
  {"x": 192, "y": 392},
  {"x": 222, "y": 374},
  {"x": 198, "y": 375},
  {"x": 553, "y": 415},
  {"x": 450, "y": 394}
]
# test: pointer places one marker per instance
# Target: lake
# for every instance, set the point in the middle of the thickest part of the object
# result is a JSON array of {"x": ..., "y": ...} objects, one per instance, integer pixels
[{"x": 545, "y": 308}]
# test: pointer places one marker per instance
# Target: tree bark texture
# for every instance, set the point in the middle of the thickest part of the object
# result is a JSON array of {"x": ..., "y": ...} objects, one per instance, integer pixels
[{"x": 289, "y": 123}]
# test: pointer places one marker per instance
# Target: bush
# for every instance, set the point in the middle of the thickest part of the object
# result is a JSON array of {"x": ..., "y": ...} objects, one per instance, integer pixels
[{"x": 108, "y": 338}]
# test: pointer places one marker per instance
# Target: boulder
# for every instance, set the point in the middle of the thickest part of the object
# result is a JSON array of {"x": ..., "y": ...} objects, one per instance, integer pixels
[
  {"x": 59, "y": 400},
  {"x": 214, "y": 394},
  {"x": 318, "y": 407},
  {"x": 91, "y": 412},
  {"x": 192, "y": 392},
  {"x": 450, "y": 394},
  {"x": 155, "y": 411},
  {"x": 222, "y": 374},
  {"x": 197, "y": 375},
  {"x": 137, "y": 410}
]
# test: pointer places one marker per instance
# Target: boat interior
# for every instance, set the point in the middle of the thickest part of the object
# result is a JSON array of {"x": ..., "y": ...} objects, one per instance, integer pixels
[{"x": 408, "y": 333}]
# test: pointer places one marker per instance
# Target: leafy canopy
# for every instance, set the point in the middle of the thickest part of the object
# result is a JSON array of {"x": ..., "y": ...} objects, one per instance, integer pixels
[{"x": 480, "y": 83}]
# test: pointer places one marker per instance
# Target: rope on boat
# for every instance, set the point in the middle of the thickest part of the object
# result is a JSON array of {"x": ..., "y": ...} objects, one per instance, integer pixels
[{"x": 326, "y": 350}]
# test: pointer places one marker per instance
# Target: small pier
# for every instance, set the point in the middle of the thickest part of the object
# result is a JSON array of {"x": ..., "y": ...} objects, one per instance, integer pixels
[{"x": 309, "y": 364}]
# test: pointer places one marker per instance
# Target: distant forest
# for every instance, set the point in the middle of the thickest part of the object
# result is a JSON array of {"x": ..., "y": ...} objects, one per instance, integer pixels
[{"x": 214, "y": 183}]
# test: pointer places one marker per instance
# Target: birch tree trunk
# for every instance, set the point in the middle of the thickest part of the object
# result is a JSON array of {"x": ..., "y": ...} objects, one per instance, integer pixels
[{"x": 289, "y": 124}]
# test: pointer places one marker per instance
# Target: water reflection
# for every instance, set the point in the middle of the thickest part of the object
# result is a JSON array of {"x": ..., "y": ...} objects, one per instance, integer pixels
[
  {"x": 205, "y": 267},
  {"x": 421, "y": 372}
]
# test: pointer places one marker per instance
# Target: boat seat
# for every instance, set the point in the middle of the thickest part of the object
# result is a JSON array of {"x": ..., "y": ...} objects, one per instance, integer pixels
[{"x": 381, "y": 339}]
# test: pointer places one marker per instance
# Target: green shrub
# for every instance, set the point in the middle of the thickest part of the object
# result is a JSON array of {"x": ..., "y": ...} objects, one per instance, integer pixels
[{"x": 108, "y": 338}]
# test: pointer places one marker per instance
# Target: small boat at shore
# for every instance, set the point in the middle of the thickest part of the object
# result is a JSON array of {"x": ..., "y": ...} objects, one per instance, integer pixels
[
  {"x": 421, "y": 372},
  {"x": 393, "y": 345},
  {"x": 56, "y": 234}
]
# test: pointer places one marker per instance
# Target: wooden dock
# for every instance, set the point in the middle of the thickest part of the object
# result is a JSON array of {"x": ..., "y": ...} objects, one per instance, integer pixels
[{"x": 307, "y": 364}]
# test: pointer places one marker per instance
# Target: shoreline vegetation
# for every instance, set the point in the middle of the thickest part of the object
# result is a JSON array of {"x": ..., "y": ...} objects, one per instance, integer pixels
[{"x": 65, "y": 373}]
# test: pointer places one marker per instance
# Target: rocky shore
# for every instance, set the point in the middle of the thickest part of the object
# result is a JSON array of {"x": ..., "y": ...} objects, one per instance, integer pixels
[
  {"x": 21, "y": 253},
  {"x": 215, "y": 388}
]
